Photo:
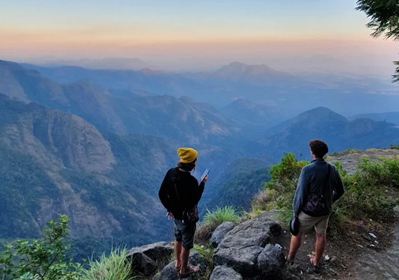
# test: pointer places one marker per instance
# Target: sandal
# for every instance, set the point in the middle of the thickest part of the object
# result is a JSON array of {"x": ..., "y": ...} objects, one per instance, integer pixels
[
  {"x": 190, "y": 270},
  {"x": 177, "y": 267},
  {"x": 311, "y": 259},
  {"x": 316, "y": 268}
]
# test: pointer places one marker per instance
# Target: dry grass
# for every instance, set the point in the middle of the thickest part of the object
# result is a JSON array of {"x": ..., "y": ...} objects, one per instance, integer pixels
[{"x": 204, "y": 233}]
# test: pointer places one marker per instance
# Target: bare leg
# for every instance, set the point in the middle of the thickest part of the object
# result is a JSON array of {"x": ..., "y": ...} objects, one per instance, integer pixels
[
  {"x": 319, "y": 247},
  {"x": 294, "y": 246},
  {"x": 184, "y": 262},
  {"x": 178, "y": 249}
]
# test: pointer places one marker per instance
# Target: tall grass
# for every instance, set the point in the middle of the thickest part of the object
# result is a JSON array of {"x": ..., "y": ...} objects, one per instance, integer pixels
[
  {"x": 221, "y": 215},
  {"x": 212, "y": 220},
  {"x": 112, "y": 267}
]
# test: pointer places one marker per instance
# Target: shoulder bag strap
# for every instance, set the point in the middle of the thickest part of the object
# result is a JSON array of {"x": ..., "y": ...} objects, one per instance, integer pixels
[
  {"x": 174, "y": 184},
  {"x": 177, "y": 194},
  {"x": 327, "y": 178}
]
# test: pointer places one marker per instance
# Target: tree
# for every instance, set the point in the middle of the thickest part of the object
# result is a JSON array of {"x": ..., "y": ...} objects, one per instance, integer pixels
[{"x": 384, "y": 15}]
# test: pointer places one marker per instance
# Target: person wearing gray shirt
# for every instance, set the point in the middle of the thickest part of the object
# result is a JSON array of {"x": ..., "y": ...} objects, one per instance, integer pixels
[{"x": 318, "y": 187}]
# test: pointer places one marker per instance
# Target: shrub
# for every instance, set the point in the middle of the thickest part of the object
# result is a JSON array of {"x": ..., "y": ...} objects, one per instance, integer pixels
[
  {"x": 43, "y": 259},
  {"x": 284, "y": 179},
  {"x": 366, "y": 192},
  {"x": 262, "y": 200},
  {"x": 368, "y": 189},
  {"x": 112, "y": 267}
]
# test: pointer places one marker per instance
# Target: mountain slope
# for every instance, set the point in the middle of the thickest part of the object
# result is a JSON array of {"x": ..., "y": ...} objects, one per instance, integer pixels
[
  {"x": 254, "y": 118},
  {"x": 56, "y": 163},
  {"x": 239, "y": 183}
]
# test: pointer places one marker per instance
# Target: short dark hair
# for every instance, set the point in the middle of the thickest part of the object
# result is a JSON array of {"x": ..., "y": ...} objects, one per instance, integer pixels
[
  {"x": 319, "y": 148},
  {"x": 187, "y": 166}
]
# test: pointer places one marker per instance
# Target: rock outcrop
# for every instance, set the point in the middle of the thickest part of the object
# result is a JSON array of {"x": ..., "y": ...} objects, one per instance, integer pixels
[
  {"x": 225, "y": 273},
  {"x": 220, "y": 232},
  {"x": 170, "y": 273},
  {"x": 148, "y": 258},
  {"x": 245, "y": 252},
  {"x": 242, "y": 246},
  {"x": 270, "y": 262}
]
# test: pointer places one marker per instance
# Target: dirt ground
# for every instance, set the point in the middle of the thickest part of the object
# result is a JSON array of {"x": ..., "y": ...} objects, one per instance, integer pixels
[{"x": 353, "y": 255}]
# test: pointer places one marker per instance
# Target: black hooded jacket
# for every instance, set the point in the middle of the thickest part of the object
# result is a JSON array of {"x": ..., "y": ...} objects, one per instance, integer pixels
[{"x": 186, "y": 194}]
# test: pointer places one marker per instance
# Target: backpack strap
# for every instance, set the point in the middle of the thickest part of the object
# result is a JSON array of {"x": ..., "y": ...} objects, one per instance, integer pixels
[
  {"x": 174, "y": 184},
  {"x": 327, "y": 178}
]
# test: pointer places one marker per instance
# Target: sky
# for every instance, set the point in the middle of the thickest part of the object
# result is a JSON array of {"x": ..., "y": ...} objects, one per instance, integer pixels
[{"x": 193, "y": 34}]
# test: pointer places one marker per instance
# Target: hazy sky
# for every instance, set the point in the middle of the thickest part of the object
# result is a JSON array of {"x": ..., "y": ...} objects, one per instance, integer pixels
[{"x": 187, "y": 32}]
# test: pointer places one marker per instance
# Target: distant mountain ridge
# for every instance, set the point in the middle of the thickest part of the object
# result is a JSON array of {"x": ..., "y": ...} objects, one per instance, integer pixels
[
  {"x": 111, "y": 63},
  {"x": 322, "y": 123},
  {"x": 392, "y": 117},
  {"x": 255, "y": 118},
  {"x": 255, "y": 74},
  {"x": 179, "y": 118},
  {"x": 256, "y": 83}
]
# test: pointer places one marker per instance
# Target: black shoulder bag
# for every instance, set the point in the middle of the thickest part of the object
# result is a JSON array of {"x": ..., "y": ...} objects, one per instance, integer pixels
[
  {"x": 316, "y": 202},
  {"x": 190, "y": 215}
]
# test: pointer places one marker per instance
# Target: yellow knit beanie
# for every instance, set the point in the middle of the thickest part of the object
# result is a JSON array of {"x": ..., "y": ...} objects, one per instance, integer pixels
[{"x": 187, "y": 155}]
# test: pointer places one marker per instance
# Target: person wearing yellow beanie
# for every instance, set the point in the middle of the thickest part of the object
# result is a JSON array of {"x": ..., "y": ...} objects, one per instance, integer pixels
[
  {"x": 187, "y": 155},
  {"x": 180, "y": 194}
]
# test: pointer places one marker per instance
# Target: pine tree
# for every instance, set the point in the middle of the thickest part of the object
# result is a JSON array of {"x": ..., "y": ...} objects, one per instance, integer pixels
[{"x": 384, "y": 20}]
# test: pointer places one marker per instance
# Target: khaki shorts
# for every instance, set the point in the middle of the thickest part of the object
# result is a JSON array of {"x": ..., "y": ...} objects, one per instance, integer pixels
[{"x": 320, "y": 224}]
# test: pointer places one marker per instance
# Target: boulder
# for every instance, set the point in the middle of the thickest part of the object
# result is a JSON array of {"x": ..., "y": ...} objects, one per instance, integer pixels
[
  {"x": 197, "y": 259},
  {"x": 243, "y": 260},
  {"x": 225, "y": 273},
  {"x": 241, "y": 246},
  {"x": 146, "y": 259},
  {"x": 220, "y": 232},
  {"x": 270, "y": 262},
  {"x": 169, "y": 272}
]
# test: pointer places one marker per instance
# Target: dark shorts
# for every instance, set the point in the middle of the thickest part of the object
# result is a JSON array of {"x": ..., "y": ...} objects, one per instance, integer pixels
[{"x": 185, "y": 234}]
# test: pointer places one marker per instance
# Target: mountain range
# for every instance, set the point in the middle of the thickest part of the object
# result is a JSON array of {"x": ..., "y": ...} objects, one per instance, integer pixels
[
  {"x": 256, "y": 83},
  {"x": 322, "y": 123},
  {"x": 74, "y": 142}
]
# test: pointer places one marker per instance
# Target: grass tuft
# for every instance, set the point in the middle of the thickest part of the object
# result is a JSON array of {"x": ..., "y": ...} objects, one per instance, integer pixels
[{"x": 114, "y": 266}]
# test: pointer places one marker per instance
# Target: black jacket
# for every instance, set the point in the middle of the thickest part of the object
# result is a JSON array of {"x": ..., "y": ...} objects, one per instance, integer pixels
[{"x": 188, "y": 192}]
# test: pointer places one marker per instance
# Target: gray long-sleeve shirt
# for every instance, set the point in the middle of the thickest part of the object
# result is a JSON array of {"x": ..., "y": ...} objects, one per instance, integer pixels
[{"x": 313, "y": 179}]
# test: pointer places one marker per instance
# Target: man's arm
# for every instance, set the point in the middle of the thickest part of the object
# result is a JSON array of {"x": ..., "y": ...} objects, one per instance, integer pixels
[
  {"x": 339, "y": 186},
  {"x": 163, "y": 193},
  {"x": 301, "y": 192}
]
